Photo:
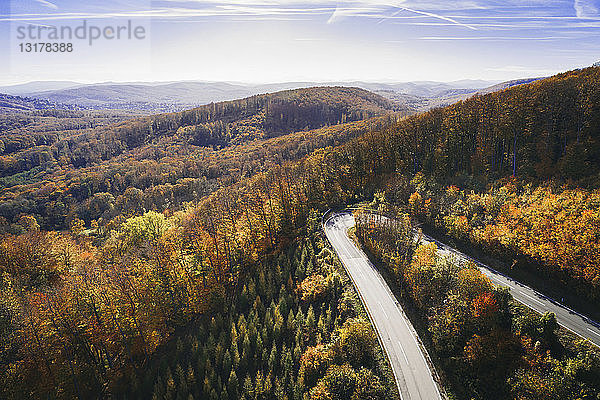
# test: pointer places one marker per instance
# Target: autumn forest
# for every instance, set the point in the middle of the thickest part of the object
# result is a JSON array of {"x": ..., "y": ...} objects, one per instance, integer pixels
[{"x": 182, "y": 255}]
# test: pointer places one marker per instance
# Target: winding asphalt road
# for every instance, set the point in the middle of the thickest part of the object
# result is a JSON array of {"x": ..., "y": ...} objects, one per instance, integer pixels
[
  {"x": 395, "y": 332},
  {"x": 567, "y": 318}
]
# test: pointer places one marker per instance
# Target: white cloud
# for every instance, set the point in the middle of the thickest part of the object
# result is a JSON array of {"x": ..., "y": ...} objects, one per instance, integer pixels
[
  {"x": 586, "y": 8},
  {"x": 343, "y": 12},
  {"x": 436, "y": 16},
  {"x": 47, "y": 4},
  {"x": 471, "y": 14},
  {"x": 492, "y": 38}
]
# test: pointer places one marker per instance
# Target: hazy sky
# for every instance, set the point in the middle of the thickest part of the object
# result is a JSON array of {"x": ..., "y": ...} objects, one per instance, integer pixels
[{"x": 268, "y": 41}]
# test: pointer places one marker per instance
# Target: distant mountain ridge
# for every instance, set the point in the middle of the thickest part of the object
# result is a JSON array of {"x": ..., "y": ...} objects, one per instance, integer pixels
[
  {"x": 23, "y": 89},
  {"x": 508, "y": 84},
  {"x": 159, "y": 97},
  {"x": 156, "y": 97}
]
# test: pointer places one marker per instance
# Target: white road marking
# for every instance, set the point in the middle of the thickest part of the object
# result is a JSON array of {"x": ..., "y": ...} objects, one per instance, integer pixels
[
  {"x": 532, "y": 298},
  {"x": 384, "y": 313},
  {"x": 403, "y": 353},
  {"x": 496, "y": 279},
  {"x": 595, "y": 333}
]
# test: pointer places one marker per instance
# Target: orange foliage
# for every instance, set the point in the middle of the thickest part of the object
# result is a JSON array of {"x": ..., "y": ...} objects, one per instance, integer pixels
[
  {"x": 561, "y": 230},
  {"x": 473, "y": 283},
  {"x": 485, "y": 306},
  {"x": 497, "y": 352},
  {"x": 425, "y": 255},
  {"x": 314, "y": 287},
  {"x": 313, "y": 363}
]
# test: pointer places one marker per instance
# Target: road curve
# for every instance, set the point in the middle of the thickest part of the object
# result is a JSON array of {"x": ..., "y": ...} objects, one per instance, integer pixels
[
  {"x": 567, "y": 318},
  {"x": 396, "y": 334}
]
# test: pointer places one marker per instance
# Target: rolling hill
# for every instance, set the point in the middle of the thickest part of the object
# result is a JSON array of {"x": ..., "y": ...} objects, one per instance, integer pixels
[{"x": 53, "y": 167}]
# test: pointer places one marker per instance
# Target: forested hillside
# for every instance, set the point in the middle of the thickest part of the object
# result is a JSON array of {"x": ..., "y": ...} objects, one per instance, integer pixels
[
  {"x": 487, "y": 345},
  {"x": 25, "y": 129},
  {"x": 80, "y": 312},
  {"x": 94, "y": 310},
  {"x": 214, "y": 125},
  {"x": 544, "y": 130},
  {"x": 11, "y": 104},
  {"x": 516, "y": 172},
  {"x": 62, "y": 168},
  {"x": 294, "y": 328}
]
